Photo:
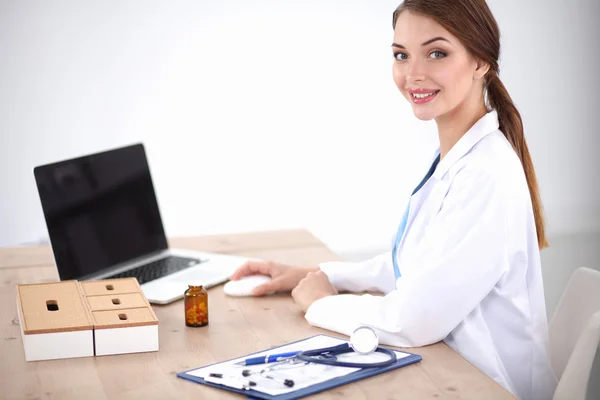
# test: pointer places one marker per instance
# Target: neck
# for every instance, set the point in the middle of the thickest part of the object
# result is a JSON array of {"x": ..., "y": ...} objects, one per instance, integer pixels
[{"x": 453, "y": 125}]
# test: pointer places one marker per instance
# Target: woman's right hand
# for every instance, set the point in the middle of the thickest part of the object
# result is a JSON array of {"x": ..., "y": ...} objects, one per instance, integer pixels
[{"x": 284, "y": 277}]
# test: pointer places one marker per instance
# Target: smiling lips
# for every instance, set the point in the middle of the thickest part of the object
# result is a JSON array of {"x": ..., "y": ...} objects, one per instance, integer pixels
[{"x": 421, "y": 96}]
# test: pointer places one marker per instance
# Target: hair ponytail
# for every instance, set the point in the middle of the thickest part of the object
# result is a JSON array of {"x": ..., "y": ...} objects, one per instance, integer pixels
[{"x": 512, "y": 127}]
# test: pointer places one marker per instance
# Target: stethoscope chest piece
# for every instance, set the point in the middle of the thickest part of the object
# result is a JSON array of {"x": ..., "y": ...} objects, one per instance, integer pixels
[{"x": 364, "y": 340}]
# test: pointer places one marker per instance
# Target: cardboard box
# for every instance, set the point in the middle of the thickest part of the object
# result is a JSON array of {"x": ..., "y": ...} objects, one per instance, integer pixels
[
  {"x": 81, "y": 319},
  {"x": 55, "y": 322}
]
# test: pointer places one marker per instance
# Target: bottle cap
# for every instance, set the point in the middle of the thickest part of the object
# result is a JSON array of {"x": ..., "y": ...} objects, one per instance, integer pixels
[{"x": 195, "y": 283}]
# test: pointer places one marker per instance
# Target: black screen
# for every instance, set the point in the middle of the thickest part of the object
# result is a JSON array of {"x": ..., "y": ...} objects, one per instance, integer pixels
[{"x": 100, "y": 210}]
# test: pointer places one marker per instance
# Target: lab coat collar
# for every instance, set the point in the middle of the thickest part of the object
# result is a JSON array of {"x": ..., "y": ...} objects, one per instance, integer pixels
[{"x": 486, "y": 125}]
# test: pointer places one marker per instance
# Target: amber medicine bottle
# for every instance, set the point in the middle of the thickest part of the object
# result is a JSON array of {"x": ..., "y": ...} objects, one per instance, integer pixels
[{"x": 195, "y": 301}]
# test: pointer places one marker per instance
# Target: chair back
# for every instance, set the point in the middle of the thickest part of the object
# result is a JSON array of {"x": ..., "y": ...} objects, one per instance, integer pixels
[{"x": 575, "y": 334}]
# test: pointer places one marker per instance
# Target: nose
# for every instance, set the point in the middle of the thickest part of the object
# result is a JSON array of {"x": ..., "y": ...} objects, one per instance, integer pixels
[{"x": 415, "y": 71}]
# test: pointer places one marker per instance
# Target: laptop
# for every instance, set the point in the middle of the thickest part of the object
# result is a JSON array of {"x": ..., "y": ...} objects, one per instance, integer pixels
[{"x": 104, "y": 222}]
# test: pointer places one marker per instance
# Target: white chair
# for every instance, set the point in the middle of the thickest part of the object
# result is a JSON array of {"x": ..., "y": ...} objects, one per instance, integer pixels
[{"x": 575, "y": 334}]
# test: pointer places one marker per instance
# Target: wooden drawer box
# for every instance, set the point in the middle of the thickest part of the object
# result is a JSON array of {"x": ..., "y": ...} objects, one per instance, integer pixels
[{"x": 80, "y": 319}]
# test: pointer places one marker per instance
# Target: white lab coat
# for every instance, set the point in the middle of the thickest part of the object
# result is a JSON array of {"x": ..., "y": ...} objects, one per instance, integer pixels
[{"x": 470, "y": 270}]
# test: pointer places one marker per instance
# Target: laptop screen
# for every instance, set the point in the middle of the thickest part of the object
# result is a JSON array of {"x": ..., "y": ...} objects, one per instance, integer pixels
[{"x": 100, "y": 210}]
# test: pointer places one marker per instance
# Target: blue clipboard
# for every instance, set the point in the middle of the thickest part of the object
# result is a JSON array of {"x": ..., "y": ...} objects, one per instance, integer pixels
[{"x": 307, "y": 391}]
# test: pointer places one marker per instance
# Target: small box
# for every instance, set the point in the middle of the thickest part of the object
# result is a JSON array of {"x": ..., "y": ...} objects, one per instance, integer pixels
[
  {"x": 111, "y": 286},
  {"x": 127, "y": 330},
  {"x": 55, "y": 321},
  {"x": 116, "y": 301}
]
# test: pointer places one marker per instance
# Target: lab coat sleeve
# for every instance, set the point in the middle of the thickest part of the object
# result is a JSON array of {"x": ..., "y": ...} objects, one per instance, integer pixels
[
  {"x": 374, "y": 275},
  {"x": 460, "y": 259}
]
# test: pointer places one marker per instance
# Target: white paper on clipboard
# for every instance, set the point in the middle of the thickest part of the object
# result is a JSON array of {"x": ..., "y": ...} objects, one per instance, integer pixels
[{"x": 303, "y": 375}]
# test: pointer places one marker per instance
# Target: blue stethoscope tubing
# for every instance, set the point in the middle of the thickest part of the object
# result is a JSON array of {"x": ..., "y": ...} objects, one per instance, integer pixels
[{"x": 328, "y": 357}]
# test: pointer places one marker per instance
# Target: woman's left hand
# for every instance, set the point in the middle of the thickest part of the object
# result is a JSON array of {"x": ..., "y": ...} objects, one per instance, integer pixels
[{"x": 313, "y": 287}]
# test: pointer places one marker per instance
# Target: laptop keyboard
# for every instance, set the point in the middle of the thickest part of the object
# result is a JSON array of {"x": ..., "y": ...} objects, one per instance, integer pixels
[{"x": 157, "y": 269}]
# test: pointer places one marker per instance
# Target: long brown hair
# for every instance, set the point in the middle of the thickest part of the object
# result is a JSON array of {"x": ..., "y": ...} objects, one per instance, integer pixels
[{"x": 472, "y": 22}]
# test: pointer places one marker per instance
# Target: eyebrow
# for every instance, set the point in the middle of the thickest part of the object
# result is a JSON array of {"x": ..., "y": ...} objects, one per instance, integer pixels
[{"x": 435, "y": 39}]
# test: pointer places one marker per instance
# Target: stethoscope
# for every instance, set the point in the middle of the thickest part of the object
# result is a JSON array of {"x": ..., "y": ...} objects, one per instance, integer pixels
[{"x": 363, "y": 341}]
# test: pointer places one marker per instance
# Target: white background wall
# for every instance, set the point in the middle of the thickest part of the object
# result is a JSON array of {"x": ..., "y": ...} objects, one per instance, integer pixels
[
  {"x": 255, "y": 115},
  {"x": 270, "y": 114}
]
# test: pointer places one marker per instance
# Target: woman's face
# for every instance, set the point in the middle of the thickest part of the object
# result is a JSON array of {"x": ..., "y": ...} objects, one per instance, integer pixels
[{"x": 432, "y": 69}]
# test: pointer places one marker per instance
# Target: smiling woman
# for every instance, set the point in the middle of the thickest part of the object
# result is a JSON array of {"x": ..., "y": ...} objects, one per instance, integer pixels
[
  {"x": 465, "y": 265},
  {"x": 457, "y": 58}
]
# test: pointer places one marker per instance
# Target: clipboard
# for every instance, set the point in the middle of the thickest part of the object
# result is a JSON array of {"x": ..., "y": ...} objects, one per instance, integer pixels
[{"x": 407, "y": 359}]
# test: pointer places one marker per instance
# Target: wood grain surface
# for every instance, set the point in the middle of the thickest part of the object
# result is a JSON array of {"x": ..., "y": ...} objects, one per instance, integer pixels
[{"x": 237, "y": 326}]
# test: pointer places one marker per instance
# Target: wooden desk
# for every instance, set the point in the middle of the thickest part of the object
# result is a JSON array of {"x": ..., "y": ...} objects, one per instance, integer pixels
[{"x": 236, "y": 327}]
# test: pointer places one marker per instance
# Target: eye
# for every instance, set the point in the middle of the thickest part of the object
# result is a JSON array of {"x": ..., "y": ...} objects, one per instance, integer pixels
[
  {"x": 400, "y": 56},
  {"x": 437, "y": 54}
]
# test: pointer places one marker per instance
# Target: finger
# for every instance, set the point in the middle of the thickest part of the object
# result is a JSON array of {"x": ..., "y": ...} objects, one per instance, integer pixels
[
  {"x": 308, "y": 279},
  {"x": 301, "y": 283},
  {"x": 300, "y": 287},
  {"x": 322, "y": 277},
  {"x": 267, "y": 287},
  {"x": 251, "y": 268}
]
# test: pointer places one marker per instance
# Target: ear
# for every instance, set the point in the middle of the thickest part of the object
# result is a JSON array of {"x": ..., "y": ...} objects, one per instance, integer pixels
[{"x": 481, "y": 69}]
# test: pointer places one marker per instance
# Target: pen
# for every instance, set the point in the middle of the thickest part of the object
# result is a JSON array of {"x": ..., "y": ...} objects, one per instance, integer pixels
[{"x": 267, "y": 359}]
